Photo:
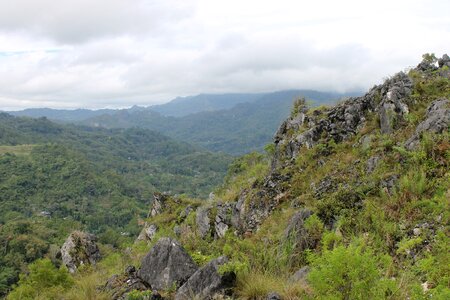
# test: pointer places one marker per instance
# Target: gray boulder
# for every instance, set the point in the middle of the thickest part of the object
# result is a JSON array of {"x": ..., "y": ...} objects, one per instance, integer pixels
[
  {"x": 166, "y": 264},
  {"x": 372, "y": 163},
  {"x": 203, "y": 222},
  {"x": 273, "y": 296},
  {"x": 444, "y": 61},
  {"x": 79, "y": 249},
  {"x": 148, "y": 232},
  {"x": 437, "y": 120},
  {"x": 207, "y": 282}
]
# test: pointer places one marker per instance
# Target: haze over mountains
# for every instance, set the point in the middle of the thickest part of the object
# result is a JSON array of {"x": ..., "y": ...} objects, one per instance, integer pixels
[{"x": 231, "y": 123}]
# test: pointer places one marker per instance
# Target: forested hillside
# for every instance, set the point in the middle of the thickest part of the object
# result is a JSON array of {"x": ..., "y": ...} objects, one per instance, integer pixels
[
  {"x": 241, "y": 129},
  {"x": 231, "y": 123},
  {"x": 55, "y": 178}
]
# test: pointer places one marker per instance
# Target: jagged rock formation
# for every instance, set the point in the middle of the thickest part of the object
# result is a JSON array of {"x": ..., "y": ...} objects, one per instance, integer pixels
[
  {"x": 203, "y": 221},
  {"x": 118, "y": 286},
  {"x": 79, "y": 249},
  {"x": 437, "y": 119},
  {"x": 223, "y": 218},
  {"x": 296, "y": 233},
  {"x": 167, "y": 264},
  {"x": 147, "y": 233},
  {"x": 207, "y": 282},
  {"x": 158, "y": 204}
]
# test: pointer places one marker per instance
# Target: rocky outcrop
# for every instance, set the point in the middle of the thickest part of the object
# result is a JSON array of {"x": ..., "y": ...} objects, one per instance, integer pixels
[
  {"x": 207, "y": 282},
  {"x": 158, "y": 205},
  {"x": 297, "y": 235},
  {"x": 344, "y": 120},
  {"x": 79, "y": 249},
  {"x": 148, "y": 232},
  {"x": 185, "y": 213},
  {"x": 223, "y": 219},
  {"x": 253, "y": 208},
  {"x": 167, "y": 264},
  {"x": 203, "y": 222},
  {"x": 437, "y": 119},
  {"x": 118, "y": 286}
]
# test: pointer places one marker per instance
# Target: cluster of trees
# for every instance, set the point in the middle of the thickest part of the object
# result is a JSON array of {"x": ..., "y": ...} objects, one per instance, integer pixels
[{"x": 56, "y": 178}]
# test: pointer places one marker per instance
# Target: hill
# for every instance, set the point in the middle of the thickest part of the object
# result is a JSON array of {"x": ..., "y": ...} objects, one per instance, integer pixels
[
  {"x": 241, "y": 129},
  {"x": 56, "y": 178},
  {"x": 351, "y": 203}
]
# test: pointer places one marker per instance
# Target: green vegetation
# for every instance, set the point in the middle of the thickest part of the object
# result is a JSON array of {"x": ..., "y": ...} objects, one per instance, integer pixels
[
  {"x": 54, "y": 179},
  {"x": 369, "y": 233}
]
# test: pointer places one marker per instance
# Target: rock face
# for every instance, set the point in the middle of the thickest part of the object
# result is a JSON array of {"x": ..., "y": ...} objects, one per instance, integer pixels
[
  {"x": 207, "y": 282},
  {"x": 223, "y": 219},
  {"x": 118, "y": 286},
  {"x": 203, "y": 222},
  {"x": 167, "y": 264},
  {"x": 296, "y": 232},
  {"x": 147, "y": 233},
  {"x": 158, "y": 204},
  {"x": 79, "y": 249},
  {"x": 437, "y": 120},
  {"x": 345, "y": 119}
]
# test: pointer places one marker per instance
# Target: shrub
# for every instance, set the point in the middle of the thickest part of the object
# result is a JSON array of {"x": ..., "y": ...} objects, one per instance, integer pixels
[{"x": 348, "y": 273}]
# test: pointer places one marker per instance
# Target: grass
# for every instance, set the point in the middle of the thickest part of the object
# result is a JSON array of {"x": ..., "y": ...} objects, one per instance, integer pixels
[{"x": 20, "y": 150}]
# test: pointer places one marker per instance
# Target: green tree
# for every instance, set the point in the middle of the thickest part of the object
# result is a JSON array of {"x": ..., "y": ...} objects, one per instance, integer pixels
[{"x": 44, "y": 281}]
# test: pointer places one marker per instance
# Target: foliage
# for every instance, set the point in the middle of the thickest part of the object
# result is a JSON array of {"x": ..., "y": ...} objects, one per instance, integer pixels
[
  {"x": 44, "y": 281},
  {"x": 351, "y": 272}
]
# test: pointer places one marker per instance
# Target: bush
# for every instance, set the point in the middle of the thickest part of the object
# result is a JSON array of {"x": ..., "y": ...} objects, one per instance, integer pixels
[
  {"x": 348, "y": 273},
  {"x": 44, "y": 281}
]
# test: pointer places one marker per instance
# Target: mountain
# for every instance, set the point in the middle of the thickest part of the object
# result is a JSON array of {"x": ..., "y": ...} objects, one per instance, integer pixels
[
  {"x": 350, "y": 202},
  {"x": 61, "y": 115},
  {"x": 183, "y": 106},
  {"x": 241, "y": 129}
]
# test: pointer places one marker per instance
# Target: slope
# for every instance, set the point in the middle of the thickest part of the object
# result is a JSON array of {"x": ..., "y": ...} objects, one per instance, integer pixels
[
  {"x": 353, "y": 204},
  {"x": 241, "y": 129}
]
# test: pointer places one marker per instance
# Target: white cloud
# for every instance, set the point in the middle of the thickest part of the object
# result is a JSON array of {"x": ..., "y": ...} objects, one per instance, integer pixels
[{"x": 116, "y": 53}]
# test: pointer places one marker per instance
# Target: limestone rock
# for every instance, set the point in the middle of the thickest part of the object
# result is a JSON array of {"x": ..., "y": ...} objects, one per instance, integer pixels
[
  {"x": 296, "y": 232},
  {"x": 166, "y": 264},
  {"x": 223, "y": 219},
  {"x": 148, "y": 232},
  {"x": 118, "y": 286},
  {"x": 79, "y": 249},
  {"x": 207, "y": 282},
  {"x": 273, "y": 296},
  {"x": 437, "y": 120},
  {"x": 203, "y": 222},
  {"x": 158, "y": 204},
  {"x": 372, "y": 163}
]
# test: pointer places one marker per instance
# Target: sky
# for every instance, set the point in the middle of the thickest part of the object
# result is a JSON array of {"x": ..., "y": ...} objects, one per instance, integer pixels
[{"x": 119, "y": 53}]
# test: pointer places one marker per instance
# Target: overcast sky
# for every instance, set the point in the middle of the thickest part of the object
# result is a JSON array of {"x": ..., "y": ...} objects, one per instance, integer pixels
[{"x": 117, "y": 53}]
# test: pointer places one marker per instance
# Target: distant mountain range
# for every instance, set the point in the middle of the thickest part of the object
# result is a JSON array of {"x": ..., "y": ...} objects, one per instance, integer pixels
[{"x": 231, "y": 123}]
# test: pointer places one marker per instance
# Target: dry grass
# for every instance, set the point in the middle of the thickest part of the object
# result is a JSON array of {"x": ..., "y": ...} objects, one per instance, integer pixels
[
  {"x": 255, "y": 286},
  {"x": 20, "y": 150}
]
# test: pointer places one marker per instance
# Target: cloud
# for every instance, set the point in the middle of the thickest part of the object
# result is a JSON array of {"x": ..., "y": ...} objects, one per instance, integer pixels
[
  {"x": 78, "y": 21},
  {"x": 117, "y": 53}
]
